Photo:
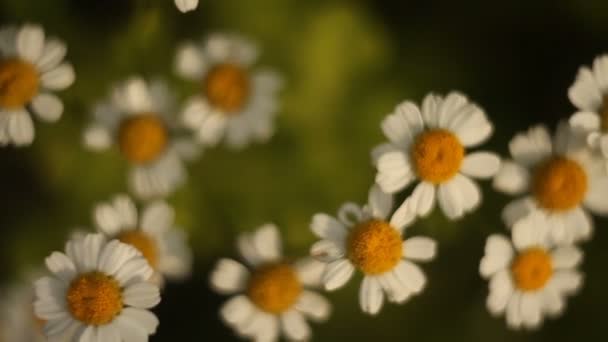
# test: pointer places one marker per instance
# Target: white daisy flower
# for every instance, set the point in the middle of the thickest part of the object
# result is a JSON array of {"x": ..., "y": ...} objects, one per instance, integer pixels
[
  {"x": 186, "y": 5},
  {"x": 236, "y": 102},
  {"x": 271, "y": 296},
  {"x": 17, "y": 319},
  {"x": 365, "y": 239},
  {"x": 530, "y": 281},
  {"x": 162, "y": 244},
  {"x": 139, "y": 121},
  {"x": 98, "y": 292},
  {"x": 428, "y": 144},
  {"x": 31, "y": 69},
  {"x": 589, "y": 94},
  {"x": 560, "y": 178}
]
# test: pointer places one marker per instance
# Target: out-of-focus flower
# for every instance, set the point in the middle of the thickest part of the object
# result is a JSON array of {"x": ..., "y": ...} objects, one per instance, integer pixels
[
  {"x": 273, "y": 296},
  {"x": 98, "y": 292},
  {"x": 560, "y": 178},
  {"x": 429, "y": 144},
  {"x": 589, "y": 94},
  {"x": 186, "y": 5},
  {"x": 530, "y": 281},
  {"x": 17, "y": 319},
  {"x": 140, "y": 121},
  {"x": 153, "y": 233},
  {"x": 236, "y": 102},
  {"x": 31, "y": 69},
  {"x": 364, "y": 239}
]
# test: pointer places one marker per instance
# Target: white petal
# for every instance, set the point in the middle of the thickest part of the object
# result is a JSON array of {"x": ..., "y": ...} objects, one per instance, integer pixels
[
  {"x": 410, "y": 275},
  {"x": 381, "y": 149},
  {"x": 589, "y": 121},
  {"x": 566, "y": 257},
  {"x": 570, "y": 227},
  {"x": 157, "y": 218},
  {"x": 420, "y": 203},
  {"x": 430, "y": 110},
  {"x": 450, "y": 199},
  {"x": 511, "y": 178},
  {"x": 53, "y": 53},
  {"x": 402, "y": 127},
  {"x": 350, "y": 214},
  {"x": 212, "y": 129},
  {"x": 370, "y": 295},
  {"x": 405, "y": 215},
  {"x": 394, "y": 172},
  {"x": 481, "y": 165},
  {"x": 130, "y": 329},
  {"x": 97, "y": 137},
  {"x": 237, "y": 311},
  {"x": 531, "y": 231},
  {"x": 470, "y": 192},
  {"x": 517, "y": 210},
  {"x": 295, "y": 326},
  {"x": 59, "y": 78},
  {"x": 531, "y": 147},
  {"x": 501, "y": 290},
  {"x": 585, "y": 93},
  {"x": 600, "y": 71},
  {"x": 380, "y": 202},
  {"x": 30, "y": 42},
  {"x": 327, "y": 251},
  {"x": 267, "y": 242},
  {"x": 92, "y": 248},
  {"x": 337, "y": 274},
  {"x": 195, "y": 112},
  {"x": 48, "y": 107},
  {"x": 419, "y": 248},
  {"x": 552, "y": 302},
  {"x": 60, "y": 265},
  {"x": 514, "y": 316},
  {"x": 472, "y": 126},
  {"x": 596, "y": 196},
  {"x": 396, "y": 291},
  {"x": 498, "y": 255},
  {"x": 107, "y": 219},
  {"x": 108, "y": 333},
  {"x": 229, "y": 276},
  {"x": 531, "y": 310},
  {"x": 326, "y": 227},
  {"x": 189, "y": 62},
  {"x": 114, "y": 255},
  {"x": 186, "y": 5},
  {"x": 566, "y": 281},
  {"x": 21, "y": 128},
  {"x": 314, "y": 306},
  {"x": 454, "y": 104},
  {"x": 145, "y": 318},
  {"x": 142, "y": 295},
  {"x": 126, "y": 210},
  {"x": 134, "y": 271}
]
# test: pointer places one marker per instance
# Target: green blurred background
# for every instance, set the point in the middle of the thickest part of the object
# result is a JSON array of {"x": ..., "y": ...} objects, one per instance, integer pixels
[{"x": 346, "y": 65}]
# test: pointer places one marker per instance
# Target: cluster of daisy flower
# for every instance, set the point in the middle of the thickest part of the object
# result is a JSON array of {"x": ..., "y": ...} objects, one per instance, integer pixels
[{"x": 105, "y": 283}]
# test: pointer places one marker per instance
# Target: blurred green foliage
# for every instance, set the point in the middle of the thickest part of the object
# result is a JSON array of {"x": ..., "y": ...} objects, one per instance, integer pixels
[{"x": 346, "y": 65}]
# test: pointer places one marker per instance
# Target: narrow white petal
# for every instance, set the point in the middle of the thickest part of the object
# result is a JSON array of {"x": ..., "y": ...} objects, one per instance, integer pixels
[
  {"x": 157, "y": 218},
  {"x": 370, "y": 295},
  {"x": 450, "y": 200},
  {"x": 566, "y": 257},
  {"x": 326, "y": 227},
  {"x": 531, "y": 147},
  {"x": 314, "y": 306},
  {"x": 350, "y": 214},
  {"x": 532, "y": 231},
  {"x": 142, "y": 295},
  {"x": 212, "y": 129},
  {"x": 396, "y": 291},
  {"x": 97, "y": 137},
  {"x": 410, "y": 275},
  {"x": 420, "y": 248},
  {"x": 60, "y": 265},
  {"x": 47, "y": 107},
  {"x": 501, "y": 290},
  {"x": 481, "y": 165},
  {"x": 186, "y": 5},
  {"x": 30, "y": 42},
  {"x": 337, "y": 274},
  {"x": 394, "y": 172},
  {"x": 189, "y": 62},
  {"x": 566, "y": 281},
  {"x": 517, "y": 210},
  {"x": 53, "y": 53},
  {"x": 531, "y": 310},
  {"x": 430, "y": 110},
  {"x": 380, "y": 202},
  {"x": 229, "y": 276},
  {"x": 498, "y": 255},
  {"x": 294, "y": 326},
  {"x": 514, "y": 316},
  {"x": 327, "y": 250},
  {"x": 589, "y": 121},
  {"x": 267, "y": 242},
  {"x": 585, "y": 93},
  {"x": 402, "y": 127},
  {"x": 59, "y": 78},
  {"x": 21, "y": 128},
  {"x": 511, "y": 178}
]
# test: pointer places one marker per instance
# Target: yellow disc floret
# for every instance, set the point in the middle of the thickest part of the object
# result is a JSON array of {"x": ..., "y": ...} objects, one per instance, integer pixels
[
  {"x": 227, "y": 87},
  {"x": 94, "y": 298},
  {"x": 374, "y": 246},
  {"x": 532, "y": 269},
  {"x": 143, "y": 243},
  {"x": 19, "y": 82},
  {"x": 142, "y": 138},
  {"x": 274, "y": 288},
  {"x": 559, "y": 184},
  {"x": 437, "y": 155}
]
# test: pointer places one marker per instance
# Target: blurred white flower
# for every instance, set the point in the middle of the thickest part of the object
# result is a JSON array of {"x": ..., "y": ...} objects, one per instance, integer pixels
[
  {"x": 428, "y": 144},
  {"x": 559, "y": 178},
  {"x": 186, "y": 5},
  {"x": 153, "y": 233},
  {"x": 236, "y": 102},
  {"x": 17, "y": 319},
  {"x": 139, "y": 121},
  {"x": 365, "y": 239},
  {"x": 31, "y": 69},
  {"x": 98, "y": 292},
  {"x": 273, "y": 296},
  {"x": 530, "y": 281}
]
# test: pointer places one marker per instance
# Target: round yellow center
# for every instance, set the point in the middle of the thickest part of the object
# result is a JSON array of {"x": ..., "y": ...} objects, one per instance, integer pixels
[
  {"x": 374, "y": 246},
  {"x": 532, "y": 269},
  {"x": 94, "y": 298},
  {"x": 19, "y": 83},
  {"x": 559, "y": 184},
  {"x": 143, "y": 243},
  {"x": 437, "y": 155},
  {"x": 274, "y": 288},
  {"x": 227, "y": 87},
  {"x": 142, "y": 138}
]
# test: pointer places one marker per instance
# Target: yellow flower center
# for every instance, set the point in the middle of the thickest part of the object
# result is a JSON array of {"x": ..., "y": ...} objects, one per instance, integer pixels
[
  {"x": 559, "y": 184},
  {"x": 227, "y": 87},
  {"x": 374, "y": 246},
  {"x": 19, "y": 83},
  {"x": 143, "y": 243},
  {"x": 532, "y": 269},
  {"x": 437, "y": 155},
  {"x": 274, "y": 288},
  {"x": 142, "y": 138},
  {"x": 94, "y": 298},
  {"x": 604, "y": 114}
]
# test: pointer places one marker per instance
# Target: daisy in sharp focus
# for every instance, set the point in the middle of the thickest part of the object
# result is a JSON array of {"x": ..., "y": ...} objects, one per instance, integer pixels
[
  {"x": 140, "y": 121},
  {"x": 31, "y": 69},
  {"x": 365, "y": 239},
  {"x": 17, "y": 319},
  {"x": 428, "y": 144},
  {"x": 558, "y": 177},
  {"x": 589, "y": 94},
  {"x": 98, "y": 292},
  {"x": 271, "y": 295},
  {"x": 529, "y": 277},
  {"x": 236, "y": 102},
  {"x": 153, "y": 233},
  {"x": 186, "y": 5}
]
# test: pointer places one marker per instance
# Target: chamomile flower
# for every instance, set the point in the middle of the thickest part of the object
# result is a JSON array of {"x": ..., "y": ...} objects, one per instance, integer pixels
[
  {"x": 529, "y": 277},
  {"x": 140, "y": 121},
  {"x": 589, "y": 94},
  {"x": 272, "y": 295},
  {"x": 186, "y": 5},
  {"x": 236, "y": 102},
  {"x": 31, "y": 69},
  {"x": 152, "y": 233},
  {"x": 428, "y": 144},
  {"x": 17, "y": 319},
  {"x": 365, "y": 239},
  {"x": 98, "y": 292},
  {"x": 560, "y": 178}
]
